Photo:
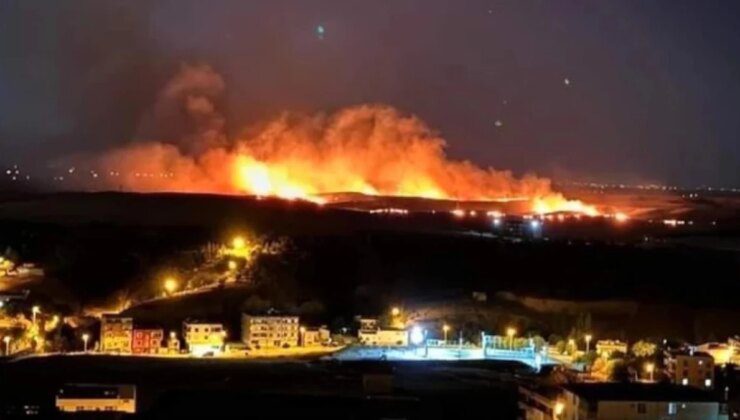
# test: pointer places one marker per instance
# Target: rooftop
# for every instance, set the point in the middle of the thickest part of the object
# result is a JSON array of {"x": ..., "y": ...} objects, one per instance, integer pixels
[
  {"x": 614, "y": 391},
  {"x": 690, "y": 353}
]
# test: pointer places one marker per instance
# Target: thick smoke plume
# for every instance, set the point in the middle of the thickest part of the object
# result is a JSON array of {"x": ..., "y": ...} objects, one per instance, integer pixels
[{"x": 371, "y": 149}]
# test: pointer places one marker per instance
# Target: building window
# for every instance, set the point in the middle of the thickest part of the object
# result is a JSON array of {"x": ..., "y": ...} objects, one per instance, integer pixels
[
  {"x": 707, "y": 383},
  {"x": 684, "y": 381}
]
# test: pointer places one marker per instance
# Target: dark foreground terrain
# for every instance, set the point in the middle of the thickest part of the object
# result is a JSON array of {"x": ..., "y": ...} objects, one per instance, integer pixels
[{"x": 203, "y": 388}]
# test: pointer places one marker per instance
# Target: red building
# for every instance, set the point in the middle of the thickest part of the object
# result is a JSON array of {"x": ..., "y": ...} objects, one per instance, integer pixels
[{"x": 147, "y": 341}]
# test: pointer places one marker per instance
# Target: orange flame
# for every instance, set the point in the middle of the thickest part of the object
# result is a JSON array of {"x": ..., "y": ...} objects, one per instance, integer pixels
[{"x": 368, "y": 149}]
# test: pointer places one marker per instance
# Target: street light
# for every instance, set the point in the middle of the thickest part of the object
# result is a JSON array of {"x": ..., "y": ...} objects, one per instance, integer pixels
[
  {"x": 170, "y": 284},
  {"x": 587, "y": 337},
  {"x": 238, "y": 242},
  {"x": 511, "y": 332},
  {"x": 445, "y": 329},
  {"x": 559, "y": 408},
  {"x": 232, "y": 265},
  {"x": 650, "y": 368},
  {"x": 35, "y": 310},
  {"x": 395, "y": 311},
  {"x": 85, "y": 337},
  {"x": 6, "y": 340}
]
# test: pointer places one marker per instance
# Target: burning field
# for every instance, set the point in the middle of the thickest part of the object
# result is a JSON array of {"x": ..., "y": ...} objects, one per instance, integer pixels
[{"x": 368, "y": 150}]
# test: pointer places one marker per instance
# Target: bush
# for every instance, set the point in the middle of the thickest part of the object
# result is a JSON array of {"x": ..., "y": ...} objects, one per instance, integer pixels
[{"x": 644, "y": 348}]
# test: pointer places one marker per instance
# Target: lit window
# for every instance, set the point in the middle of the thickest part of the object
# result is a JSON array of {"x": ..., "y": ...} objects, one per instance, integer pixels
[
  {"x": 707, "y": 383},
  {"x": 684, "y": 381},
  {"x": 672, "y": 409}
]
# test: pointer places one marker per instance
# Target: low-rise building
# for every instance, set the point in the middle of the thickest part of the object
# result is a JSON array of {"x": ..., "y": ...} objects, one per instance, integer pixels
[
  {"x": 383, "y": 337},
  {"x": 627, "y": 401},
  {"x": 315, "y": 336},
  {"x": 371, "y": 334},
  {"x": 690, "y": 368},
  {"x": 270, "y": 331},
  {"x": 540, "y": 403},
  {"x": 173, "y": 343},
  {"x": 722, "y": 353},
  {"x": 606, "y": 348},
  {"x": 80, "y": 398},
  {"x": 203, "y": 338},
  {"x": 147, "y": 341},
  {"x": 116, "y": 334},
  {"x": 368, "y": 324}
]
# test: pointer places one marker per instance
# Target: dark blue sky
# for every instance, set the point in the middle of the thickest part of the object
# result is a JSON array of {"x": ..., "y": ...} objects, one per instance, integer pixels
[{"x": 654, "y": 91}]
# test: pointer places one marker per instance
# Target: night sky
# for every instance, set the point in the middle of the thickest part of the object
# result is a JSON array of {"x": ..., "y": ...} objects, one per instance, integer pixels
[{"x": 618, "y": 91}]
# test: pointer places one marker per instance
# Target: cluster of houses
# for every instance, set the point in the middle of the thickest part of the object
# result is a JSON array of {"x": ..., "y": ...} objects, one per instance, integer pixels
[
  {"x": 687, "y": 388},
  {"x": 258, "y": 332}
]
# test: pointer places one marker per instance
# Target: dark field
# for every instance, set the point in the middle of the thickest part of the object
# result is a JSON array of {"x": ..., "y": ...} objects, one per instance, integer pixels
[
  {"x": 198, "y": 388},
  {"x": 94, "y": 246}
]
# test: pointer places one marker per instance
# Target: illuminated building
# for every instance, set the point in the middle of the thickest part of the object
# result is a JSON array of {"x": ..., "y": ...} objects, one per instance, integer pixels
[
  {"x": 270, "y": 331},
  {"x": 370, "y": 334},
  {"x": 690, "y": 368},
  {"x": 147, "y": 341},
  {"x": 203, "y": 338},
  {"x": 627, "y": 401},
  {"x": 116, "y": 334},
  {"x": 315, "y": 336},
  {"x": 609, "y": 347},
  {"x": 722, "y": 353},
  {"x": 541, "y": 403},
  {"x": 76, "y": 398}
]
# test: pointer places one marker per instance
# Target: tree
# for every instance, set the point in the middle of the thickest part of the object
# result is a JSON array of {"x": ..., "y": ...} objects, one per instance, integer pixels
[{"x": 644, "y": 348}]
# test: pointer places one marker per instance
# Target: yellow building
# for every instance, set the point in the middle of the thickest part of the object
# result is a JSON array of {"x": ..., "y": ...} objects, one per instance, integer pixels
[
  {"x": 608, "y": 347},
  {"x": 203, "y": 338},
  {"x": 116, "y": 334},
  {"x": 270, "y": 331},
  {"x": 315, "y": 336}
]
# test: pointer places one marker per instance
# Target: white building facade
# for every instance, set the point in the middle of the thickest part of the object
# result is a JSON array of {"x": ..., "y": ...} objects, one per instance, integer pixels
[{"x": 260, "y": 332}]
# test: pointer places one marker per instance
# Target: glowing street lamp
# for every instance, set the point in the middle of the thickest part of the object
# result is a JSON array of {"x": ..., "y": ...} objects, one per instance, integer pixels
[
  {"x": 35, "y": 310},
  {"x": 2, "y": 303},
  {"x": 395, "y": 311},
  {"x": 232, "y": 265},
  {"x": 587, "y": 337},
  {"x": 650, "y": 368},
  {"x": 170, "y": 285},
  {"x": 238, "y": 242},
  {"x": 6, "y": 340},
  {"x": 445, "y": 329},
  {"x": 85, "y": 338},
  {"x": 511, "y": 332},
  {"x": 558, "y": 409}
]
